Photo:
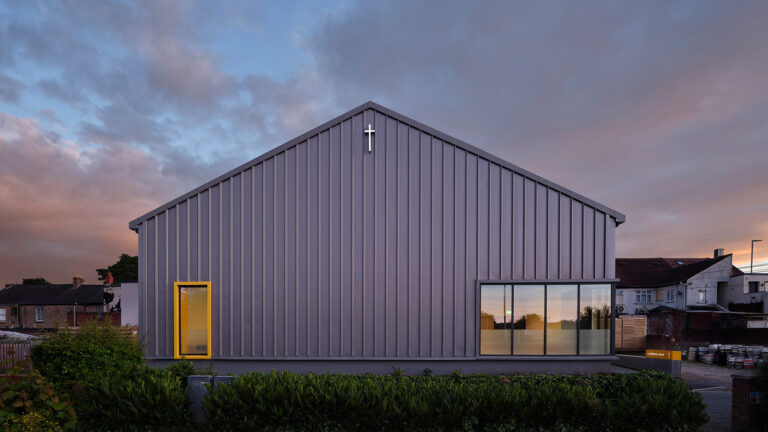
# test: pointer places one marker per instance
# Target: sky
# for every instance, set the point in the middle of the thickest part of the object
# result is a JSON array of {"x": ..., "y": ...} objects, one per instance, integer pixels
[{"x": 111, "y": 108}]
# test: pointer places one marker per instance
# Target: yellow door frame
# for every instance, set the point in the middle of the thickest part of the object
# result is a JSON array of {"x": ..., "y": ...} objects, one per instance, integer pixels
[{"x": 176, "y": 317}]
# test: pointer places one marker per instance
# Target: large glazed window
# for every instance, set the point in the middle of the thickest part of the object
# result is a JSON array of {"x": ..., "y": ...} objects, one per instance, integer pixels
[
  {"x": 552, "y": 319},
  {"x": 192, "y": 319},
  {"x": 562, "y": 308},
  {"x": 528, "y": 307},
  {"x": 595, "y": 319},
  {"x": 496, "y": 320}
]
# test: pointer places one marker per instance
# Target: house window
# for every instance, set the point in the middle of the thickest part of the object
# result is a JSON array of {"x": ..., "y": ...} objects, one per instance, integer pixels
[
  {"x": 192, "y": 319},
  {"x": 619, "y": 297},
  {"x": 754, "y": 286},
  {"x": 659, "y": 295},
  {"x": 2, "y": 314},
  {"x": 670, "y": 296},
  {"x": 702, "y": 296},
  {"x": 518, "y": 319},
  {"x": 39, "y": 314},
  {"x": 643, "y": 296}
]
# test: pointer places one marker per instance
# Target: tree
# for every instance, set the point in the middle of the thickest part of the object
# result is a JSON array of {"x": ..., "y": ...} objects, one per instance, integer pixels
[
  {"x": 35, "y": 281},
  {"x": 125, "y": 269}
]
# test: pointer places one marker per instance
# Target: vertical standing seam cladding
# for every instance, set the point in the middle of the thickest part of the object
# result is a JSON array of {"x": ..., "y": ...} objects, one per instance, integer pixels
[{"x": 323, "y": 250}]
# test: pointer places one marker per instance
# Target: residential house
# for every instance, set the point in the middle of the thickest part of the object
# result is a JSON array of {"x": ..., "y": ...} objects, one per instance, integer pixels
[
  {"x": 375, "y": 242},
  {"x": 677, "y": 283},
  {"x": 48, "y": 306},
  {"x": 745, "y": 292}
]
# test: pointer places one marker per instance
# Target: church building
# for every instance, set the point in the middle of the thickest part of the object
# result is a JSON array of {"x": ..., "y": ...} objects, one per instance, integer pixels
[{"x": 372, "y": 243}]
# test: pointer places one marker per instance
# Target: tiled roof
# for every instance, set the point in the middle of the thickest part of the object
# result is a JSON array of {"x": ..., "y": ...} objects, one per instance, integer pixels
[
  {"x": 53, "y": 294},
  {"x": 656, "y": 272}
]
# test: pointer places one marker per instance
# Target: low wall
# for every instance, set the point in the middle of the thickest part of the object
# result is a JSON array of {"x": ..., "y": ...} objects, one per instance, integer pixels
[
  {"x": 746, "y": 401},
  {"x": 672, "y": 367},
  {"x": 522, "y": 365}
]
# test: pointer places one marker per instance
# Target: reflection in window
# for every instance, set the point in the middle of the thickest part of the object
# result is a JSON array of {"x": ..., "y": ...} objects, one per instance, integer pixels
[
  {"x": 528, "y": 314},
  {"x": 495, "y": 319},
  {"x": 562, "y": 308},
  {"x": 595, "y": 319}
]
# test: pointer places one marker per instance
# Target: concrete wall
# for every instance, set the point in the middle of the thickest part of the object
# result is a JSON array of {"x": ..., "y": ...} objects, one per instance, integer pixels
[
  {"x": 529, "y": 364},
  {"x": 734, "y": 292},
  {"x": 321, "y": 249},
  {"x": 129, "y": 303}
]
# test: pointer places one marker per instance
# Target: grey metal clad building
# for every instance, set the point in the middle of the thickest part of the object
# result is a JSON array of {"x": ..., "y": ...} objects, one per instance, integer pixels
[{"x": 415, "y": 251}]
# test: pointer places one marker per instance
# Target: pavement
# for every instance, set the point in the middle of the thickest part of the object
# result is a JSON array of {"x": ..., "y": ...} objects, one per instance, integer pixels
[{"x": 714, "y": 384}]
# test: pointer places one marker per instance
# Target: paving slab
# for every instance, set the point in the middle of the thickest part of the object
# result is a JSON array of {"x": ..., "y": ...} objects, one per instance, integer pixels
[{"x": 718, "y": 409}]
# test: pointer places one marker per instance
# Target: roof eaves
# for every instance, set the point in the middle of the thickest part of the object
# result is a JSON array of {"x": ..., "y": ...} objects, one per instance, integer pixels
[
  {"x": 134, "y": 224},
  {"x": 618, "y": 216}
]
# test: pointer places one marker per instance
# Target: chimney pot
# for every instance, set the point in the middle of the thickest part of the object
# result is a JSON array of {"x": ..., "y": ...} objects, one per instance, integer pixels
[{"x": 77, "y": 280}]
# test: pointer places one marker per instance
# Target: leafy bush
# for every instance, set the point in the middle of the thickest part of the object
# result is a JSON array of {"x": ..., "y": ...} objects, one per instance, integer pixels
[
  {"x": 95, "y": 352},
  {"x": 183, "y": 368},
  {"x": 29, "y": 402},
  {"x": 151, "y": 399},
  {"x": 102, "y": 367},
  {"x": 284, "y": 401}
]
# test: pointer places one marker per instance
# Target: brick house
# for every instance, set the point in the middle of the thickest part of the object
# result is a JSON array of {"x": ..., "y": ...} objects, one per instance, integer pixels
[{"x": 48, "y": 306}]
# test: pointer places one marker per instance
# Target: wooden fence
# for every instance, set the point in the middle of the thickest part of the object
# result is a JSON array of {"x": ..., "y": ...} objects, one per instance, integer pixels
[
  {"x": 13, "y": 354},
  {"x": 631, "y": 332}
]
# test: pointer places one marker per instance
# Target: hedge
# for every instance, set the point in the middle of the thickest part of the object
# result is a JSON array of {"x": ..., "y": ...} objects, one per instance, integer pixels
[{"x": 285, "y": 401}]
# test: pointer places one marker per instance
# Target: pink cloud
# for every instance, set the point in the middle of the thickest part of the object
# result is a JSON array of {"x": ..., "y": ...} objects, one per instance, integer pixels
[{"x": 65, "y": 209}]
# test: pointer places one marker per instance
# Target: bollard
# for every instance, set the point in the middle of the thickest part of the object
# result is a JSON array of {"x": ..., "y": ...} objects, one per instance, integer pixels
[{"x": 196, "y": 392}]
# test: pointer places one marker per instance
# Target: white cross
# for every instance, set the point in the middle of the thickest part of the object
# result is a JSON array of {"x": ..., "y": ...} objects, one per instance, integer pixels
[{"x": 370, "y": 132}]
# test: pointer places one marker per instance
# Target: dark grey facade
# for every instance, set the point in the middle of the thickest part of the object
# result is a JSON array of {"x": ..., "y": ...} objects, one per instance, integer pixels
[{"x": 322, "y": 251}]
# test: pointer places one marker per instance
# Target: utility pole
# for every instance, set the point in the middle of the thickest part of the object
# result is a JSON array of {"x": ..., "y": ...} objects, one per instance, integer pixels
[{"x": 752, "y": 255}]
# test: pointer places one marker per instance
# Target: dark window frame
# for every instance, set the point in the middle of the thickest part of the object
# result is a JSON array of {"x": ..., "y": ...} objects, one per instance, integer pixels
[{"x": 611, "y": 282}]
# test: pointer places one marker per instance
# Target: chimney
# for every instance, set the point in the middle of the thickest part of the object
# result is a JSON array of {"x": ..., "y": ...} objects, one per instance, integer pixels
[
  {"x": 109, "y": 279},
  {"x": 719, "y": 252},
  {"x": 77, "y": 281}
]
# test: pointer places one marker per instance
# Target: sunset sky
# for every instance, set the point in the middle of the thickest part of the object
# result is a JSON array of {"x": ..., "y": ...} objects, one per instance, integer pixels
[{"x": 111, "y": 108}]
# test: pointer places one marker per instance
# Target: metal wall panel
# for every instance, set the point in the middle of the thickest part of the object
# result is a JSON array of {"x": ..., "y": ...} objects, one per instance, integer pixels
[{"x": 325, "y": 250}]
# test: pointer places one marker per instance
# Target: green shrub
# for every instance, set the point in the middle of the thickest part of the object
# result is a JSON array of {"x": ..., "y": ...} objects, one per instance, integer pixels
[
  {"x": 284, "y": 401},
  {"x": 149, "y": 400},
  {"x": 184, "y": 368},
  {"x": 95, "y": 352},
  {"x": 29, "y": 402}
]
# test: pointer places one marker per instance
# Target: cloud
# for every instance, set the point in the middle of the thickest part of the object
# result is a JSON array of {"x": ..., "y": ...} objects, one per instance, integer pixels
[
  {"x": 655, "y": 111},
  {"x": 10, "y": 89},
  {"x": 65, "y": 209}
]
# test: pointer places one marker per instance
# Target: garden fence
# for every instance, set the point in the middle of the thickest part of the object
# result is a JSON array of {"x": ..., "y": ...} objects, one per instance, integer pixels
[{"x": 13, "y": 354}]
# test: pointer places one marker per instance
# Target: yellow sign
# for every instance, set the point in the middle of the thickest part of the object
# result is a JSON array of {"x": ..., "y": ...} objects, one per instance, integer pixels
[{"x": 663, "y": 354}]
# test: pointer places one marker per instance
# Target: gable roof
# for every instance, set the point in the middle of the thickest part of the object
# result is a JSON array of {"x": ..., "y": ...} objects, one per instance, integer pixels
[
  {"x": 63, "y": 294},
  {"x": 619, "y": 217},
  {"x": 657, "y": 272}
]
